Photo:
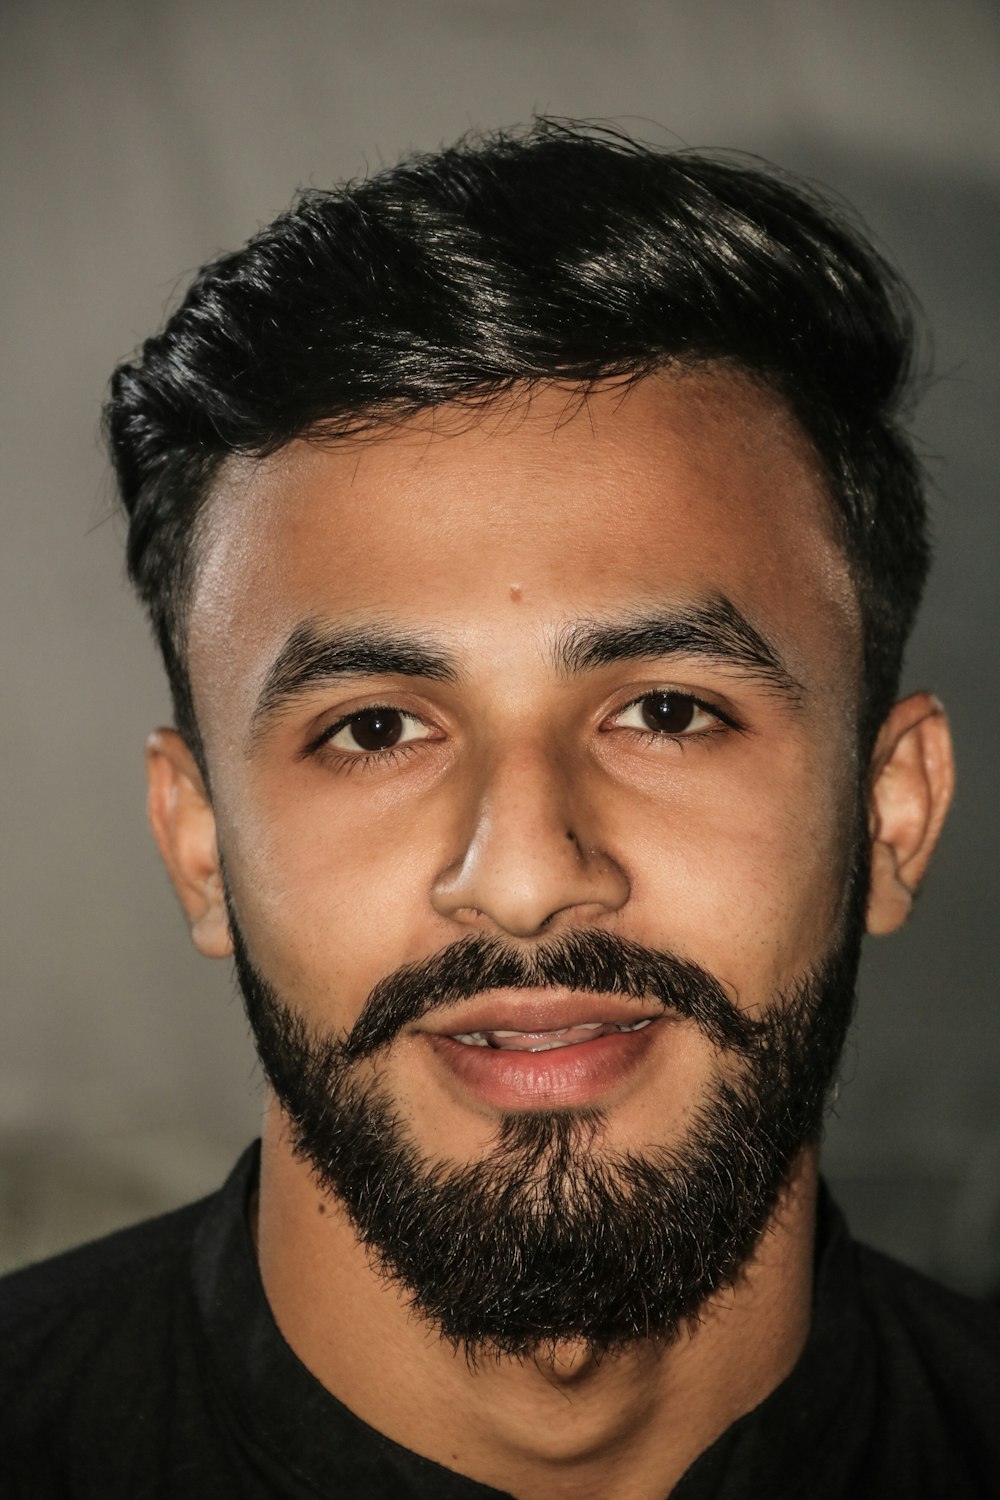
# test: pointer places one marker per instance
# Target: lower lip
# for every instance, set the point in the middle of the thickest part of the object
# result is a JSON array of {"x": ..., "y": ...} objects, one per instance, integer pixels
[{"x": 575, "y": 1075}]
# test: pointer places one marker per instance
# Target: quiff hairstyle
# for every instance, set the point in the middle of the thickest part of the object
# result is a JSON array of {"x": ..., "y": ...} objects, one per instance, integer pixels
[{"x": 559, "y": 253}]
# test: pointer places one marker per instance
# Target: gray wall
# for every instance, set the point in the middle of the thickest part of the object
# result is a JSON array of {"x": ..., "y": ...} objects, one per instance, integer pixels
[{"x": 141, "y": 138}]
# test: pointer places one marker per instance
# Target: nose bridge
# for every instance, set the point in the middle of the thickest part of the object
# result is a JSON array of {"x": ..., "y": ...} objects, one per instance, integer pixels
[
  {"x": 531, "y": 846},
  {"x": 529, "y": 781}
]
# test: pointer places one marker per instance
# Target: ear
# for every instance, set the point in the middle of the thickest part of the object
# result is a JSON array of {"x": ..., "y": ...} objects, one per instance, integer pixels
[
  {"x": 912, "y": 780},
  {"x": 183, "y": 824}
]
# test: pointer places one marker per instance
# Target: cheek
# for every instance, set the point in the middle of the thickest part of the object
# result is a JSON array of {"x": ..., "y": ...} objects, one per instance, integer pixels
[
  {"x": 737, "y": 861},
  {"x": 331, "y": 891},
  {"x": 746, "y": 877}
]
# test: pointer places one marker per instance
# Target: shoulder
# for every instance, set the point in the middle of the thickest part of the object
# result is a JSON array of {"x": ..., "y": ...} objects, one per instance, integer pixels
[
  {"x": 90, "y": 1343},
  {"x": 935, "y": 1381},
  {"x": 77, "y": 1273},
  {"x": 925, "y": 1319},
  {"x": 124, "y": 1280},
  {"x": 103, "y": 1387},
  {"x": 78, "y": 1296}
]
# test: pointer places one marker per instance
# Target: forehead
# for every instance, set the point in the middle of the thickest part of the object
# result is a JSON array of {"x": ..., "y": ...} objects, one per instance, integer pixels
[{"x": 682, "y": 487}]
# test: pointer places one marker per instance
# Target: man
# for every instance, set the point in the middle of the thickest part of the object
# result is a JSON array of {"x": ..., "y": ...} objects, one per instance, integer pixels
[{"x": 532, "y": 543}]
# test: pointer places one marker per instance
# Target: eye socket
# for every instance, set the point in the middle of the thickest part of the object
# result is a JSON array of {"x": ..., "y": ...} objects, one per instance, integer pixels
[
  {"x": 372, "y": 731},
  {"x": 667, "y": 714},
  {"x": 380, "y": 729}
]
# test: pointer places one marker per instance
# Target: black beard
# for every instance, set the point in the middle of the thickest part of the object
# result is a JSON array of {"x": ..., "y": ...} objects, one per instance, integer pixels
[{"x": 549, "y": 1237}]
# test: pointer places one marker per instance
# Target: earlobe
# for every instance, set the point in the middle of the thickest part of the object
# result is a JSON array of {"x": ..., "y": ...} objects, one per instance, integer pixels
[
  {"x": 183, "y": 824},
  {"x": 912, "y": 781}
]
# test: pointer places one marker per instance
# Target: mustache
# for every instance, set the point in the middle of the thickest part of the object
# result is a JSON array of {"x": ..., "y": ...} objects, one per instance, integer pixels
[{"x": 595, "y": 962}]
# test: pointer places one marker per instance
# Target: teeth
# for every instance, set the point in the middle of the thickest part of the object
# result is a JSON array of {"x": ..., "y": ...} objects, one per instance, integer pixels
[
  {"x": 560, "y": 1031},
  {"x": 552, "y": 1039}
]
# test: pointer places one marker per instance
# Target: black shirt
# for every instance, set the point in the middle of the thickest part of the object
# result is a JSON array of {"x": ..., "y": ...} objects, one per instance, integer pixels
[{"x": 148, "y": 1366}]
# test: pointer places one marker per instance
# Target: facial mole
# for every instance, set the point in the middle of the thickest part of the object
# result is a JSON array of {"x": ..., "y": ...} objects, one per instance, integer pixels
[{"x": 516, "y": 593}]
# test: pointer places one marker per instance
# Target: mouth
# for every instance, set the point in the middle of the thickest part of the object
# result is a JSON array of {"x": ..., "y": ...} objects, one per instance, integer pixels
[
  {"x": 547, "y": 1041},
  {"x": 531, "y": 1020},
  {"x": 536, "y": 1049}
]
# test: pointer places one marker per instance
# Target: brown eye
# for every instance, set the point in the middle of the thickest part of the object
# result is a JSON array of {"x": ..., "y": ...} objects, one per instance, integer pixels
[
  {"x": 376, "y": 728},
  {"x": 672, "y": 715},
  {"x": 668, "y": 713}
]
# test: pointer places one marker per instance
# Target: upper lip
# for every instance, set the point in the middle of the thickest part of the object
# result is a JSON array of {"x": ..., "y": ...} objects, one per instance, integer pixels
[{"x": 537, "y": 1011}]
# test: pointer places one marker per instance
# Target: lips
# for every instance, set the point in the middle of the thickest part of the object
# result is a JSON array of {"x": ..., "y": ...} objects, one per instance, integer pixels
[
  {"x": 547, "y": 1041},
  {"x": 531, "y": 1048},
  {"x": 567, "y": 1016}
]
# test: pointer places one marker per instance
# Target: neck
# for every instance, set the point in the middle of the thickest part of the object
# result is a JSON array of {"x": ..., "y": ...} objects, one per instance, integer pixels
[{"x": 556, "y": 1426}]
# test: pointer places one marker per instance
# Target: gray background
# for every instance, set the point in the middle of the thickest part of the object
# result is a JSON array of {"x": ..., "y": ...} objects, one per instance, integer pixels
[{"x": 141, "y": 138}]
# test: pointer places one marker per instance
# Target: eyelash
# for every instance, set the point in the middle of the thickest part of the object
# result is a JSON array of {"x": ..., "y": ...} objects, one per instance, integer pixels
[
  {"x": 349, "y": 761},
  {"x": 360, "y": 760},
  {"x": 651, "y": 737}
]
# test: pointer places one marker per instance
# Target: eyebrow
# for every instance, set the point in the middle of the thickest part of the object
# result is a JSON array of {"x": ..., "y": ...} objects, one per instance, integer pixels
[
  {"x": 715, "y": 630},
  {"x": 316, "y": 654}
]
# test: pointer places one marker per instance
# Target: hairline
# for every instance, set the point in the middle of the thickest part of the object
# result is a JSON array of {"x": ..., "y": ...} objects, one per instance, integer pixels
[{"x": 373, "y": 424}]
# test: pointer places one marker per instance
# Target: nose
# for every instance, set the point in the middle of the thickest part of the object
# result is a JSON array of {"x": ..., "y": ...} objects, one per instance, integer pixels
[{"x": 531, "y": 852}]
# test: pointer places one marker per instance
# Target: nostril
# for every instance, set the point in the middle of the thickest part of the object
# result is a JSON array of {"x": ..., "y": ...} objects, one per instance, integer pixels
[{"x": 468, "y": 914}]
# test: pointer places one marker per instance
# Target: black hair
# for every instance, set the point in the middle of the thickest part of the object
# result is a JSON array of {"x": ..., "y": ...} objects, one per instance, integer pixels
[{"x": 562, "y": 252}]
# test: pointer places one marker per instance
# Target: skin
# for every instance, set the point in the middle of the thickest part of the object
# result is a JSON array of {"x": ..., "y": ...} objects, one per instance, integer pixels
[{"x": 727, "y": 846}]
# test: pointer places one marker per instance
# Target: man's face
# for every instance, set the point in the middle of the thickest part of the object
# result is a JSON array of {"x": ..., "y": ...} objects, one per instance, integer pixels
[{"x": 567, "y": 668}]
